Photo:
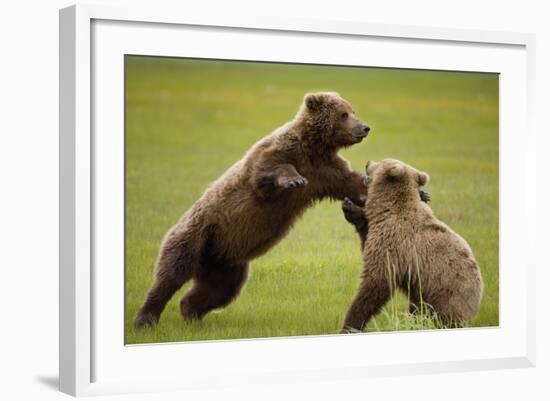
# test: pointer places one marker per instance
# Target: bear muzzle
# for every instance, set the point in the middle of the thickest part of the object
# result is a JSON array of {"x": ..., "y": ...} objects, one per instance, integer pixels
[{"x": 362, "y": 133}]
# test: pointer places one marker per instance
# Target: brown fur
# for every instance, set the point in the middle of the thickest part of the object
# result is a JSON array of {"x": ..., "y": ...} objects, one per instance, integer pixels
[
  {"x": 409, "y": 248},
  {"x": 253, "y": 205}
]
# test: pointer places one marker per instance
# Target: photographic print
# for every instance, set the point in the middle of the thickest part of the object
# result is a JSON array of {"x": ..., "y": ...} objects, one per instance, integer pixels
[{"x": 270, "y": 199}]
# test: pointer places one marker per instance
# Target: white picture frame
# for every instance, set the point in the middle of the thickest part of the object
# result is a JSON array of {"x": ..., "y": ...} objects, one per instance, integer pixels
[{"x": 95, "y": 361}]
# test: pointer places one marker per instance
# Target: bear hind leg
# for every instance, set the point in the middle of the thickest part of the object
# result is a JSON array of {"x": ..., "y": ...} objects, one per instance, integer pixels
[
  {"x": 371, "y": 297},
  {"x": 213, "y": 290},
  {"x": 175, "y": 266}
]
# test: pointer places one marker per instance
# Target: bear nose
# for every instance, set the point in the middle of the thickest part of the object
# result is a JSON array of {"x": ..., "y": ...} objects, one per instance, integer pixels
[{"x": 366, "y": 129}]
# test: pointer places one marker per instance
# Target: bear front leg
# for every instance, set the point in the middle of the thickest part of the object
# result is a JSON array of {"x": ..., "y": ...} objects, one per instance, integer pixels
[
  {"x": 355, "y": 215},
  {"x": 286, "y": 176},
  {"x": 286, "y": 182},
  {"x": 272, "y": 180},
  {"x": 342, "y": 182},
  {"x": 353, "y": 186}
]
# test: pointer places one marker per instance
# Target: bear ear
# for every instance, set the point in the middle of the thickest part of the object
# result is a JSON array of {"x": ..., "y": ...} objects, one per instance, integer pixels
[
  {"x": 313, "y": 101},
  {"x": 367, "y": 167},
  {"x": 396, "y": 171},
  {"x": 422, "y": 178}
]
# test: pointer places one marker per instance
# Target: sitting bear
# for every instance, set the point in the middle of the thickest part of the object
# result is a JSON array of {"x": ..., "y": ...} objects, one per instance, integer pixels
[
  {"x": 253, "y": 205},
  {"x": 404, "y": 242}
]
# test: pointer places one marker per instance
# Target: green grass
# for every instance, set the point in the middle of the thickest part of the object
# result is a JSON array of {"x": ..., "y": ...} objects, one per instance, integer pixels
[{"x": 187, "y": 121}]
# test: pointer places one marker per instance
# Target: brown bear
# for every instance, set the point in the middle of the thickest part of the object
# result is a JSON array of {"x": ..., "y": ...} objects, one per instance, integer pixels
[
  {"x": 253, "y": 205},
  {"x": 405, "y": 246}
]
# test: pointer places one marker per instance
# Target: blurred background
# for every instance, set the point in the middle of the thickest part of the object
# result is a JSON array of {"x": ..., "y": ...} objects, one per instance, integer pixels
[{"x": 188, "y": 120}]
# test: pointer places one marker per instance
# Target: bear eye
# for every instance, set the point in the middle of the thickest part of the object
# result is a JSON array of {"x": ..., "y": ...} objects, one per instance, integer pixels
[{"x": 344, "y": 116}]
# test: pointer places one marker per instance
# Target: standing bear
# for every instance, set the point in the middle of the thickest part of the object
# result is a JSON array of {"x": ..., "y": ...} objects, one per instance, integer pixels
[
  {"x": 253, "y": 205},
  {"x": 405, "y": 246}
]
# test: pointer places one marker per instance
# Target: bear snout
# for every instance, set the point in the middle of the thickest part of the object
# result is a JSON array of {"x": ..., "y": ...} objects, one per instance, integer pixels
[{"x": 362, "y": 131}]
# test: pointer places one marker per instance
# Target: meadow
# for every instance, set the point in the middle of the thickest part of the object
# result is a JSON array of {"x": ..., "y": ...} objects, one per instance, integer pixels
[{"x": 187, "y": 121}]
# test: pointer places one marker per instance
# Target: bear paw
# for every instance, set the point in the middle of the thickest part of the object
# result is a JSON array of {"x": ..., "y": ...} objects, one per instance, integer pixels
[
  {"x": 424, "y": 196},
  {"x": 352, "y": 212},
  {"x": 292, "y": 182},
  {"x": 145, "y": 319}
]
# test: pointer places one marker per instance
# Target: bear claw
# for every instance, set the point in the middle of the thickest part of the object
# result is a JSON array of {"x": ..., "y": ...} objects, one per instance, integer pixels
[
  {"x": 425, "y": 196},
  {"x": 347, "y": 204},
  {"x": 294, "y": 182},
  {"x": 352, "y": 212}
]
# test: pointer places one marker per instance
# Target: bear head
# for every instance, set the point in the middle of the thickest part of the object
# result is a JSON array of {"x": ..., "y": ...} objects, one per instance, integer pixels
[
  {"x": 330, "y": 121},
  {"x": 394, "y": 181}
]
